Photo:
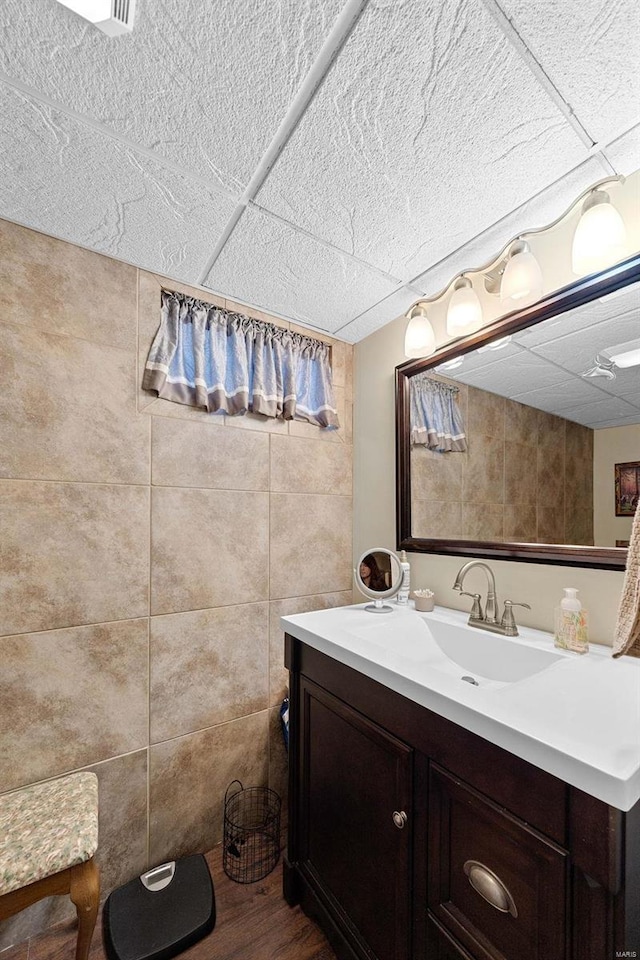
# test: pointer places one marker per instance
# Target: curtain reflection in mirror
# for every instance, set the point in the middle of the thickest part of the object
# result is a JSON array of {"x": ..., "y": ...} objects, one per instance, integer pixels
[{"x": 436, "y": 420}]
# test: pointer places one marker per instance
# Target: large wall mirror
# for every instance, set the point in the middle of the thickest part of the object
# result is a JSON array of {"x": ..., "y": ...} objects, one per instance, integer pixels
[{"x": 548, "y": 414}]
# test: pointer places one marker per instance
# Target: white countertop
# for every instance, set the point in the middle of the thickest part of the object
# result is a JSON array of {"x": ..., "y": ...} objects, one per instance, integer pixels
[{"x": 578, "y": 719}]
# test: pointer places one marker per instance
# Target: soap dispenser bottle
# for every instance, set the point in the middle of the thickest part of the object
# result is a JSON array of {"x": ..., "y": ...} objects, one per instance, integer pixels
[
  {"x": 571, "y": 623},
  {"x": 405, "y": 585}
]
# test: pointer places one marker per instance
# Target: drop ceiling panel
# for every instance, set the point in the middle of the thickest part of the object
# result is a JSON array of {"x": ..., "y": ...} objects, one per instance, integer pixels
[
  {"x": 536, "y": 212},
  {"x": 63, "y": 178},
  {"x": 561, "y": 397},
  {"x": 542, "y": 365},
  {"x": 395, "y": 305},
  {"x": 624, "y": 153},
  {"x": 626, "y": 384},
  {"x": 576, "y": 352},
  {"x": 427, "y": 130},
  {"x": 576, "y": 45},
  {"x": 486, "y": 358},
  {"x": 618, "y": 422},
  {"x": 191, "y": 81},
  {"x": 597, "y": 313},
  {"x": 602, "y": 411},
  {"x": 269, "y": 264},
  {"x": 510, "y": 375}
]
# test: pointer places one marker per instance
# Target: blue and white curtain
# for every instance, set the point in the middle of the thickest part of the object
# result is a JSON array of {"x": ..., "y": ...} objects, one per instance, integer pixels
[
  {"x": 228, "y": 363},
  {"x": 436, "y": 421}
]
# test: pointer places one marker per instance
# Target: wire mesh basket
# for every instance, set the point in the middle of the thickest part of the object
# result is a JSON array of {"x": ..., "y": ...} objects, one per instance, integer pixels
[{"x": 251, "y": 840}]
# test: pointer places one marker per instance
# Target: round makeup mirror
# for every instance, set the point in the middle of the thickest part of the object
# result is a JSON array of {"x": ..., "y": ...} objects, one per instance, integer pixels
[{"x": 378, "y": 576}]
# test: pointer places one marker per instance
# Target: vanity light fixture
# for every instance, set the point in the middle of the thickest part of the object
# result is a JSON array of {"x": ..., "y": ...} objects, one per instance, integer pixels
[
  {"x": 514, "y": 276},
  {"x": 464, "y": 313},
  {"x": 419, "y": 339},
  {"x": 522, "y": 277},
  {"x": 600, "y": 239}
]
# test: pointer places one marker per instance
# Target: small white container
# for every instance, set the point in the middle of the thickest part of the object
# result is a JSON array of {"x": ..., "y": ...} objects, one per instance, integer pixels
[
  {"x": 424, "y": 600},
  {"x": 425, "y": 604}
]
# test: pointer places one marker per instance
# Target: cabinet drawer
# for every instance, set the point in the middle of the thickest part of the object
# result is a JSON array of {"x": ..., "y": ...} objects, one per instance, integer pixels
[
  {"x": 442, "y": 946},
  {"x": 494, "y": 882}
]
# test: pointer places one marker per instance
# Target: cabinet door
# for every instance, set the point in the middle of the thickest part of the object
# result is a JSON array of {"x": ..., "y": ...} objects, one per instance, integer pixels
[
  {"x": 356, "y": 823},
  {"x": 497, "y": 885}
]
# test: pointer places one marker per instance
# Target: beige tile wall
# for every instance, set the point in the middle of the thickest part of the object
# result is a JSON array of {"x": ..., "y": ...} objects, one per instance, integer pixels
[
  {"x": 147, "y": 552},
  {"x": 527, "y": 477}
]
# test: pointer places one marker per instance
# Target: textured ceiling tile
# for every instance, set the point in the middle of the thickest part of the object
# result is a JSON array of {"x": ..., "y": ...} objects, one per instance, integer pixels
[
  {"x": 393, "y": 306},
  {"x": 601, "y": 314},
  {"x": 592, "y": 414},
  {"x": 65, "y": 179},
  {"x": 624, "y": 153},
  {"x": 590, "y": 50},
  {"x": 428, "y": 129},
  {"x": 562, "y": 396},
  {"x": 269, "y": 264},
  {"x": 617, "y": 422},
  {"x": 536, "y": 212},
  {"x": 509, "y": 376},
  {"x": 577, "y": 351},
  {"x": 626, "y": 384},
  {"x": 190, "y": 81},
  {"x": 541, "y": 366},
  {"x": 485, "y": 358}
]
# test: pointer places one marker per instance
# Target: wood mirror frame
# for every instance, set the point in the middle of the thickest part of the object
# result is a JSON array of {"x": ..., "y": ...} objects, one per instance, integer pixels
[{"x": 568, "y": 298}]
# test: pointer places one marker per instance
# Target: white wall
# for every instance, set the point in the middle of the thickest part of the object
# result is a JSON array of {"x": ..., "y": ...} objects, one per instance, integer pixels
[
  {"x": 610, "y": 446},
  {"x": 374, "y": 509}
]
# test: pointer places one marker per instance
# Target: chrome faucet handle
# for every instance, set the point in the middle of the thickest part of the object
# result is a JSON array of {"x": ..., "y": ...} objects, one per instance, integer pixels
[
  {"x": 508, "y": 620},
  {"x": 476, "y": 610}
]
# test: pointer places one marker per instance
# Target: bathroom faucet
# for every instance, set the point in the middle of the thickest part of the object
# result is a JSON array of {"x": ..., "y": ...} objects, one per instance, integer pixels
[
  {"x": 489, "y": 619},
  {"x": 491, "y": 609}
]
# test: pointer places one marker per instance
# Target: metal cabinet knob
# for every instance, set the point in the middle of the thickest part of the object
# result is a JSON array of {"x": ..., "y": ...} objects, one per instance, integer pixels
[
  {"x": 399, "y": 818},
  {"x": 490, "y": 887}
]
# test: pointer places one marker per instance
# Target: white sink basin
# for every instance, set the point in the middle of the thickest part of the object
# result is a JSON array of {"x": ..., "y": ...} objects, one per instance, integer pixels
[
  {"x": 577, "y": 717},
  {"x": 488, "y": 655}
]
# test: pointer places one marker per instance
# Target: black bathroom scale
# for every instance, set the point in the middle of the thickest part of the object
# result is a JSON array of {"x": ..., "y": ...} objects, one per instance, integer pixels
[{"x": 161, "y": 913}]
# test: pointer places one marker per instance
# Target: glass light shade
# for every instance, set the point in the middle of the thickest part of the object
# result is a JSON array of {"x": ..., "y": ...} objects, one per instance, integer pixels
[
  {"x": 464, "y": 314},
  {"x": 419, "y": 339},
  {"x": 601, "y": 236},
  {"x": 522, "y": 278}
]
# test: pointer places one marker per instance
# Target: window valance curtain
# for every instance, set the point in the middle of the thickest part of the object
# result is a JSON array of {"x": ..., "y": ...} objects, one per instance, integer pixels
[
  {"x": 436, "y": 421},
  {"x": 228, "y": 363}
]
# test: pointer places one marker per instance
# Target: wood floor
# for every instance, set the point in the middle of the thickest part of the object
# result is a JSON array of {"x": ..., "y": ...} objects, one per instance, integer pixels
[{"x": 253, "y": 923}]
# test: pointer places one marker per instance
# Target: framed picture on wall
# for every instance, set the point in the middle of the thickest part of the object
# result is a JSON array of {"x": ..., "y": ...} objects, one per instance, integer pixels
[{"x": 627, "y": 488}]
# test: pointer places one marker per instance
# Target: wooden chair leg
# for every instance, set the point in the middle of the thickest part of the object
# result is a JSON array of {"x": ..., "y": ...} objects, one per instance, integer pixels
[{"x": 85, "y": 894}]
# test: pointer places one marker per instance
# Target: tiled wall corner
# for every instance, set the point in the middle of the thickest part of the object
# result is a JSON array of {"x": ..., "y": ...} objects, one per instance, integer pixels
[{"x": 148, "y": 552}]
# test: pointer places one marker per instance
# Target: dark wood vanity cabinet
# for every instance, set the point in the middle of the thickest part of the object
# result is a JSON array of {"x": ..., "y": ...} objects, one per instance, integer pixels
[{"x": 412, "y": 839}]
